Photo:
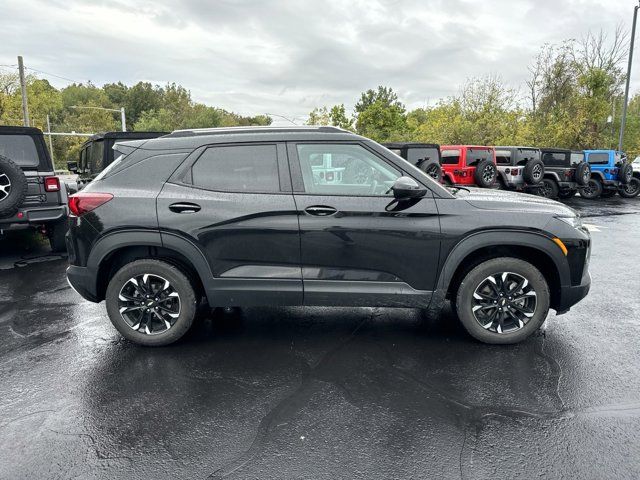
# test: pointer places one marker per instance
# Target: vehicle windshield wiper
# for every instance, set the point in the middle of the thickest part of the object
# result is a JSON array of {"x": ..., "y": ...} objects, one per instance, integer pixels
[{"x": 456, "y": 189}]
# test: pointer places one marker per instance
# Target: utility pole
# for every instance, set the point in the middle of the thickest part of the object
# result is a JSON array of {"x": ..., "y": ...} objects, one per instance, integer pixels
[
  {"x": 626, "y": 89},
  {"x": 23, "y": 87},
  {"x": 123, "y": 119},
  {"x": 50, "y": 142}
]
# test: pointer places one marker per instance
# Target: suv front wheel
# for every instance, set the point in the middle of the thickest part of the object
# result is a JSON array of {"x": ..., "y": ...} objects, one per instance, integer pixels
[
  {"x": 151, "y": 302},
  {"x": 503, "y": 300}
]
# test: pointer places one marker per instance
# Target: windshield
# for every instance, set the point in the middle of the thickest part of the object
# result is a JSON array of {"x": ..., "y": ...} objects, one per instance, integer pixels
[
  {"x": 21, "y": 149},
  {"x": 577, "y": 158},
  {"x": 476, "y": 155},
  {"x": 418, "y": 156}
]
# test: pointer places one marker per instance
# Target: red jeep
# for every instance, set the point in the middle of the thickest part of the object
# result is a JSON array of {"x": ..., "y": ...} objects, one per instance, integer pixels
[{"x": 468, "y": 165}]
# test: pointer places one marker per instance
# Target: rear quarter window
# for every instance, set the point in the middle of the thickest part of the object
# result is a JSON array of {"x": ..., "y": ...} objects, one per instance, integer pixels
[
  {"x": 503, "y": 157},
  {"x": 555, "y": 159},
  {"x": 21, "y": 149},
  {"x": 475, "y": 156},
  {"x": 598, "y": 158},
  {"x": 420, "y": 155},
  {"x": 450, "y": 157}
]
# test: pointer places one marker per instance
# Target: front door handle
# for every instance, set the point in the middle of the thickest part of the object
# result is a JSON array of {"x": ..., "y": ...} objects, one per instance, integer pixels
[
  {"x": 184, "y": 207},
  {"x": 320, "y": 211}
]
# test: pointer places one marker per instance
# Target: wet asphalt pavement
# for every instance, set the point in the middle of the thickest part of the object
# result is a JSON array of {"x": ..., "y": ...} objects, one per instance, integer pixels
[{"x": 322, "y": 393}]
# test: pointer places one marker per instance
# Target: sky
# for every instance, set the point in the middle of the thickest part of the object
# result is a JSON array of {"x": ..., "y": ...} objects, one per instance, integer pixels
[{"x": 287, "y": 57}]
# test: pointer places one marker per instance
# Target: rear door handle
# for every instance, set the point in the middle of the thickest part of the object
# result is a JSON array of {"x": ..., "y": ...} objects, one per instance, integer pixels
[
  {"x": 184, "y": 207},
  {"x": 320, "y": 211}
]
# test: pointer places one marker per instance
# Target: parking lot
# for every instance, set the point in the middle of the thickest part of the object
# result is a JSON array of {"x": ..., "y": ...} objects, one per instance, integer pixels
[{"x": 322, "y": 393}]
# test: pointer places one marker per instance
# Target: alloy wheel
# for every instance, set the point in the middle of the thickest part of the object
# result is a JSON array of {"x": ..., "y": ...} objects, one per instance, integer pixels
[
  {"x": 5, "y": 186},
  {"x": 487, "y": 174},
  {"x": 504, "y": 302},
  {"x": 631, "y": 188},
  {"x": 536, "y": 173},
  {"x": 149, "y": 304},
  {"x": 545, "y": 190}
]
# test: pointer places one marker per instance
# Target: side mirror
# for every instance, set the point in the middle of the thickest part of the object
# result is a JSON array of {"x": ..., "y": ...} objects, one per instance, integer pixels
[
  {"x": 72, "y": 167},
  {"x": 405, "y": 188}
]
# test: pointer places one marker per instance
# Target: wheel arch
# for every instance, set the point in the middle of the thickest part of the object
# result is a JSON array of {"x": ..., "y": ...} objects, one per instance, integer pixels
[
  {"x": 535, "y": 248},
  {"x": 115, "y": 250}
]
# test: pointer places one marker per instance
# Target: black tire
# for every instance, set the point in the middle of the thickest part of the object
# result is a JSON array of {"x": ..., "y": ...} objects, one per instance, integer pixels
[
  {"x": 485, "y": 174},
  {"x": 592, "y": 190},
  {"x": 566, "y": 194},
  {"x": 507, "y": 330},
  {"x": 187, "y": 302},
  {"x": 583, "y": 173},
  {"x": 625, "y": 173},
  {"x": 433, "y": 169},
  {"x": 533, "y": 171},
  {"x": 548, "y": 188},
  {"x": 13, "y": 187},
  {"x": 631, "y": 189},
  {"x": 56, "y": 233}
]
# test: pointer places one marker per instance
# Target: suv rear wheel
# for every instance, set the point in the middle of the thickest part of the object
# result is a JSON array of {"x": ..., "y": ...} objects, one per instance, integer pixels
[
  {"x": 548, "y": 188},
  {"x": 593, "y": 189},
  {"x": 631, "y": 189},
  {"x": 503, "y": 300},
  {"x": 151, "y": 302},
  {"x": 13, "y": 187}
]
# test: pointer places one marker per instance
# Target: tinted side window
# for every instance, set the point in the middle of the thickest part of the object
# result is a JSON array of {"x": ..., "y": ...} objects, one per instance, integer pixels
[
  {"x": 450, "y": 157},
  {"x": 21, "y": 149},
  {"x": 526, "y": 154},
  {"x": 577, "y": 158},
  {"x": 238, "y": 168},
  {"x": 503, "y": 157},
  {"x": 345, "y": 170},
  {"x": 599, "y": 158},
  {"x": 95, "y": 157},
  {"x": 554, "y": 159}
]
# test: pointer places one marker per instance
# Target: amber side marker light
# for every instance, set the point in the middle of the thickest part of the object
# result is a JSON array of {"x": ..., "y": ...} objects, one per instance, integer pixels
[{"x": 562, "y": 246}]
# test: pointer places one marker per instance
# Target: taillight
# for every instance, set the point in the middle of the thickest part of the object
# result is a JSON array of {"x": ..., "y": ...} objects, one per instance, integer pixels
[
  {"x": 568, "y": 173},
  {"x": 51, "y": 184},
  {"x": 81, "y": 203},
  {"x": 514, "y": 171}
]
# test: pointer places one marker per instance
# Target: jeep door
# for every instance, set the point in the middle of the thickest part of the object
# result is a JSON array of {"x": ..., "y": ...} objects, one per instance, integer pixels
[
  {"x": 232, "y": 204},
  {"x": 358, "y": 245}
]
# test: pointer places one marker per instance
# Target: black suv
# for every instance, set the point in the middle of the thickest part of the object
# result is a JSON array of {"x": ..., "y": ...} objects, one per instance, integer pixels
[
  {"x": 249, "y": 216},
  {"x": 565, "y": 171},
  {"x": 425, "y": 156},
  {"x": 30, "y": 193},
  {"x": 97, "y": 153}
]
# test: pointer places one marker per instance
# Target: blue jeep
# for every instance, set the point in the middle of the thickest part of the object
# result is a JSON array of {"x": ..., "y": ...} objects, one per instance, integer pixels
[{"x": 610, "y": 172}]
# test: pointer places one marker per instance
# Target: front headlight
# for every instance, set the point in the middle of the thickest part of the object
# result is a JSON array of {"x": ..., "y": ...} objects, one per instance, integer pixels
[{"x": 575, "y": 221}]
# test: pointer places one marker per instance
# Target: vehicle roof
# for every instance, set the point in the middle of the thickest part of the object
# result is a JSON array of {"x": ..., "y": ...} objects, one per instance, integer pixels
[
  {"x": 411, "y": 144},
  {"x": 600, "y": 150},
  {"x": 552, "y": 149},
  {"x": 19, "y": 130},
  {"x": 125, "y": 135},
  {"x": 183, "y": 139}
]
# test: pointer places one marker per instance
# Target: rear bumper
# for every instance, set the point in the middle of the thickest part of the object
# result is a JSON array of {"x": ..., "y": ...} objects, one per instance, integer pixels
[
  {"x": 83, "y": 281},
  {"x": 570, "y": 295},
  {"x": 568, "y": 185},
  {"x": 33, "y": 216}
]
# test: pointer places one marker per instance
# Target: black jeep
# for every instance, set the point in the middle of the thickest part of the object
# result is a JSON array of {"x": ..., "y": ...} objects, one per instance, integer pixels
[
  {"x": 565, "y": 171},
  {"x": 97, "y": 153},
  {"x": 30, "y": 193},
  {"x": 425, "y": 156}
]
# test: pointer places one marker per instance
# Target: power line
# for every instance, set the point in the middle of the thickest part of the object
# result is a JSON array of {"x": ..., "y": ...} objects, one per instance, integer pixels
[{"x": 53, "y": 75}]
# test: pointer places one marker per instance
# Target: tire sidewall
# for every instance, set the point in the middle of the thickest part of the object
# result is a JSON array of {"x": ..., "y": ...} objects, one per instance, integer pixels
[
  {"x": 598, "y": 189},
  {"x": 432, "y": 165},
  {"x": 634, "y": 181},
  {"x": 18, "y": 192},
  {"x": 188, "y": 301},
  {"x": 478, "y": 174},
  {"x": 553, "y": 188},
  {"x": 528, "y": 172},
  {"x": 492, "y": 267},
  {"x": 582, "y": 178}
]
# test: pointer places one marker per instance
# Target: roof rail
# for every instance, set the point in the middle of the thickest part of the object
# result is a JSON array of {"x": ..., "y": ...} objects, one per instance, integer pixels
[{"x": 254, "y": 129}]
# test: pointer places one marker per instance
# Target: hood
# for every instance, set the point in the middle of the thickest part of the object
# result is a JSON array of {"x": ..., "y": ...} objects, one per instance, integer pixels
[{"x": 488, "y": 199}]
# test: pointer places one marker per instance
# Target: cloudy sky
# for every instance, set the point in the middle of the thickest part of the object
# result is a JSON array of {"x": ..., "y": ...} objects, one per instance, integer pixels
[{"x": 286, "y": 57}]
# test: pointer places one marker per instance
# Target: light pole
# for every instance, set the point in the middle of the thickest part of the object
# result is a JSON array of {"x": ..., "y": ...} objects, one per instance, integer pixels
[
  {"x": 626, "y": 89},
  {"x": 120, "y": 110}
]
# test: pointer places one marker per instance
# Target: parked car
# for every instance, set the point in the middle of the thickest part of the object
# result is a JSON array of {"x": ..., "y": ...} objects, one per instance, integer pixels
[
  {"x": 565, "y": 172},
  {"x": 519, "y": 168},
  {"x": 97, "y": 153},
  {"x": 468, "y": 165},
  {"x": 31, "y": 196},
  {"x": 238, "y": 216},
  {"x": 610, "y": 171},
  {"x": 632, "y": 189},
  {"x": 425, "y": 156}
]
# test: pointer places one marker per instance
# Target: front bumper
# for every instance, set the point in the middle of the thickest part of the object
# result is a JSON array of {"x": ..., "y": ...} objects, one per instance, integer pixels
[
  {"x": 570, "y": 295},
  {"x": 83, "y": 281}
]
